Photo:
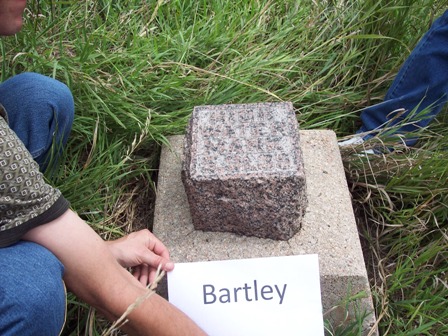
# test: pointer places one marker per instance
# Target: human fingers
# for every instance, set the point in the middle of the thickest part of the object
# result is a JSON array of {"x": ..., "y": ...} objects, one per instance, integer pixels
[
  {"x": 144, "y": 274},
  {"x": 155, "y": 253},
  {"x": 155, "y": 245},
  {"x": 153, "y": 260},
  {"x": 141, "y": 273},
  {"x": 136, "y": 272},
  {"x": 152, "y": 275},
  {"x": 141, "y": 247}
]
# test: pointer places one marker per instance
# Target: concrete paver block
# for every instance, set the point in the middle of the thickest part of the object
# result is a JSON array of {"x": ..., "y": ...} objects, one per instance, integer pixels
[{"x": 328, "y": 229}]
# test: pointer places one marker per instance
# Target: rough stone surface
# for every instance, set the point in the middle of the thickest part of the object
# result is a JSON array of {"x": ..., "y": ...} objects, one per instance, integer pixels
[
  {"x": 243, "y": 170},
  {"x": 329, "y": 228}
]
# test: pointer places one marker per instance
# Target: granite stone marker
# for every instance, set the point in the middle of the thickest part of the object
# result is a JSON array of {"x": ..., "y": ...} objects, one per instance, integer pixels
[{"x": 243, "y": 170}]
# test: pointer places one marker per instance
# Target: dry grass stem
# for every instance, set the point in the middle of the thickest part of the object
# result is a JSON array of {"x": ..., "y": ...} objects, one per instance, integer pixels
[{"x": 151, "y": 290}]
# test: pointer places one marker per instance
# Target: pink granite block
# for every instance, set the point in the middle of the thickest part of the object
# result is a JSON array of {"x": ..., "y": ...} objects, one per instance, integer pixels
[{"x": 243, "y": 170}]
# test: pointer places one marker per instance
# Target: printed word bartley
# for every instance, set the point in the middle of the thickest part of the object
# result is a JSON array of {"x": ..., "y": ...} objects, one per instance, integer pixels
[{"x": 213, "y": 295}]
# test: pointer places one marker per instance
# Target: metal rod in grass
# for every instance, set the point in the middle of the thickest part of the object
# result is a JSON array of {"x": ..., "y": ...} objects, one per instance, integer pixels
[{"x": 151, "y": 290}]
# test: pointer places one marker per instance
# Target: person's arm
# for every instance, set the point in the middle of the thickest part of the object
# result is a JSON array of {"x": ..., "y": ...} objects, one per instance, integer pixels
[
  {"x": 95, "y": 276},
  {"x": 31, "y": 209}
]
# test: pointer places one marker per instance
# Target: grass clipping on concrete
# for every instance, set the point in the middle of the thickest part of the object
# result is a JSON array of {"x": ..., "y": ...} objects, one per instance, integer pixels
[{"x": 137, "y": 69}]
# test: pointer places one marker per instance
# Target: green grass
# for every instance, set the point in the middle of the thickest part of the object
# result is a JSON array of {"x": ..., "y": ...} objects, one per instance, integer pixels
[{"x": 137, "y": 68}]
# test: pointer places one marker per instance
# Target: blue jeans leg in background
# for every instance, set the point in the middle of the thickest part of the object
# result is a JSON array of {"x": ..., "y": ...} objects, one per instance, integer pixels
[
  {"x": 40, "y": 110},
  {"x": 421, "y": 84},
  {"x": 32, "y": 293}
]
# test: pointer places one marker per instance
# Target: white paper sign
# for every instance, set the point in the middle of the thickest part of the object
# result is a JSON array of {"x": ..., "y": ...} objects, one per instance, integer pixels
[{"x": 260, "y": 296}]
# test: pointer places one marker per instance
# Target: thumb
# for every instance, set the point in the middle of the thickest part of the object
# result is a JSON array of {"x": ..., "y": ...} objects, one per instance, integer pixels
[{"x": 154, "y": 260}]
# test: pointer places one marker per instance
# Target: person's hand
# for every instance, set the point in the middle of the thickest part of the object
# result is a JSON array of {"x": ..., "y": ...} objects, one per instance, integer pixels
[{"x": 142, "y": 251}]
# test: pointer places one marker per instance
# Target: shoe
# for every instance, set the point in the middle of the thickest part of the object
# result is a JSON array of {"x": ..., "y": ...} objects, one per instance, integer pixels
[{"x": 356, "y": 141}]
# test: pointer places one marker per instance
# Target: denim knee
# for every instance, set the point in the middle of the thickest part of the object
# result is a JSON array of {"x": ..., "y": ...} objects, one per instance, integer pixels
[
  {"x": 40, "y": 110},
  {"x": 420, "y": 85},
  {"x": 32, "y": 293}
]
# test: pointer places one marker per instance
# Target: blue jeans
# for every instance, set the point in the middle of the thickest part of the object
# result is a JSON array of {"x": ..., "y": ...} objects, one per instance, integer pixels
[
  {"x": 32, "y": 293},
  {"x": 40, "y": 110},
  {"x": 420, "y": 85}
]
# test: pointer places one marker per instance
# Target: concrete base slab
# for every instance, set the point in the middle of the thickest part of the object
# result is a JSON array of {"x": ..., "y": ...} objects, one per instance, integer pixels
[{"x": 328, "y": 228}]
